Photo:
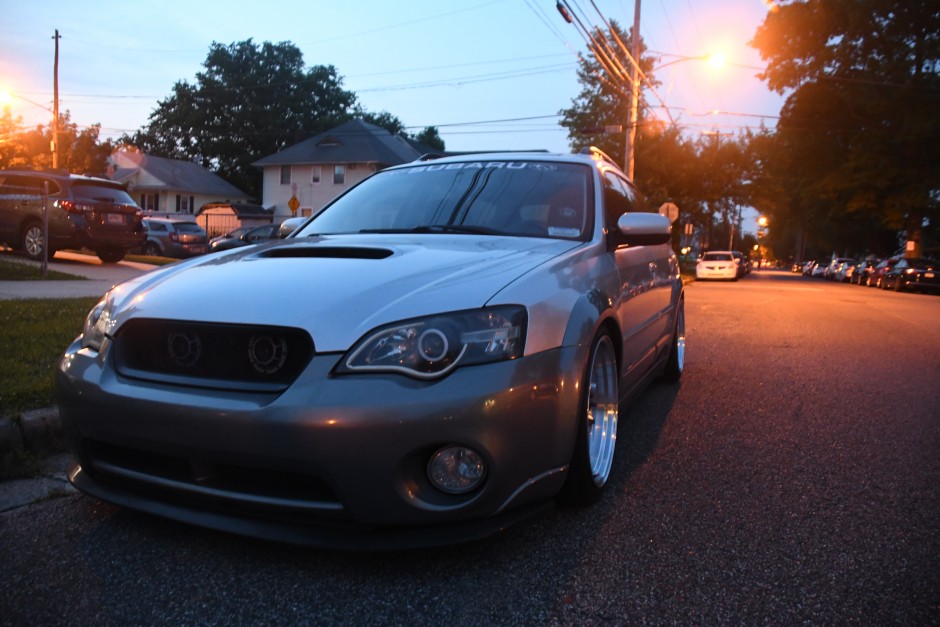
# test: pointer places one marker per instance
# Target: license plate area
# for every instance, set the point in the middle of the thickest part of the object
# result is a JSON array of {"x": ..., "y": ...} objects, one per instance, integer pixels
[{"x": 114, "y": 218}]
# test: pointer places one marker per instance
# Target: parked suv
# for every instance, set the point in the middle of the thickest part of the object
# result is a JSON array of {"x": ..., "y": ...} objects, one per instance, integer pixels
[
  {"x": 169, "y": 237},
  {"x": 84, "y": 212}
]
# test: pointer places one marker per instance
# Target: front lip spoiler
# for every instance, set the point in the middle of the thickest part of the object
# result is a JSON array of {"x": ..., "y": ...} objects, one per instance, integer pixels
[{"x": 332, "y": 536}]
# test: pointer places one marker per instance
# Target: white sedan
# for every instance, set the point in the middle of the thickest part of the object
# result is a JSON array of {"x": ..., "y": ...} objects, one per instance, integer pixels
[{"x": 717, "y": 264}]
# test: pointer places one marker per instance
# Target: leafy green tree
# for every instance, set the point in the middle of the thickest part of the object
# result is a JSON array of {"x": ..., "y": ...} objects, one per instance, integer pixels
[
  {"x": 604, "y": 99},
  {"x": 858, "y": 142},
  {"x": 250, "y": 101},
  {"x": 708, "y": 180},
  {"x": 79, "y": 150}
]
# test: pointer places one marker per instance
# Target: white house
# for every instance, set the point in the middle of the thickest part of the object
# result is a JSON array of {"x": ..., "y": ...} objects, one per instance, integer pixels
[
  {"x": 301, "y": 179},
  {"x": 171, "y": 186}
]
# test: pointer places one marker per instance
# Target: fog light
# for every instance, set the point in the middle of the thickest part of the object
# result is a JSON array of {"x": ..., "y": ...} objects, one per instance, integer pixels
[{"x": 456, "y": 469}]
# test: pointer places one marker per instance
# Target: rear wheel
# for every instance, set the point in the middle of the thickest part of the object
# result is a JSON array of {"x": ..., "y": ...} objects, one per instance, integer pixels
[
  {"x": 151, "y": 249},
  {"x": 110, "y": 254},
  {"x": 597, "y": 426},
  {"x": 676, "y": 363}
]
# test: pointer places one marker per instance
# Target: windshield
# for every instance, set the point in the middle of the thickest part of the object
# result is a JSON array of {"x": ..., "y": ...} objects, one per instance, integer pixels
[
  {"x": 528, "y": 198},
  {"x": 101, "y": 193},
  {"x": 717, "y": 257}
]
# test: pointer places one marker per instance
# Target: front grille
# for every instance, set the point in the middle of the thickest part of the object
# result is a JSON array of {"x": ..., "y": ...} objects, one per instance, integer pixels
[
  {"x": 249, "y": 358},
  {"x": 212, "y": 485}
]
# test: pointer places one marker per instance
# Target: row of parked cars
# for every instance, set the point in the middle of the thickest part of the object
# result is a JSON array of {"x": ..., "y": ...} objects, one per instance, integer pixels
[
  {"x": 894, "y": 273},
  {"x": 181, "y": 238}
]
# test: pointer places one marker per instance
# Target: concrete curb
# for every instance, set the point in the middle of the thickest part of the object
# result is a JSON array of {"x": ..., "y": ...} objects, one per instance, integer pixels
[{"x": 38, "y": 431}]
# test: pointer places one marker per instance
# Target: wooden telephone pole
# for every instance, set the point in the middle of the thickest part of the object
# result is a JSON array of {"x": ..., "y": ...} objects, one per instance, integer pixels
[{"x": 55, "y": 104}]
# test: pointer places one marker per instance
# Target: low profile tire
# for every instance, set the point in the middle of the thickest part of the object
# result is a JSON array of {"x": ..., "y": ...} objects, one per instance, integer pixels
[
  {"x": 151, "y": 249},
  {"x": 110, "y": 255},
  {"x": 31, "y": 241},
  {"x": 675, "y": 365},
  {"x": 596, "y": 439}
]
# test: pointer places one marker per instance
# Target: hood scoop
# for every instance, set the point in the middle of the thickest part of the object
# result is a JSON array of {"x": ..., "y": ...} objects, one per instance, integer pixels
[{"x": 325, "y": 252}]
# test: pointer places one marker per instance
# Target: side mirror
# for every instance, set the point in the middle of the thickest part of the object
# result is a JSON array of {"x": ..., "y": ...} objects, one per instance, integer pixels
[{"x": 644, "y": 229}]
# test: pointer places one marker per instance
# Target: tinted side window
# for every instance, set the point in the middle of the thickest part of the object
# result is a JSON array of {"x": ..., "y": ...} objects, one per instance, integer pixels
[{"x": 619, "y": 198}]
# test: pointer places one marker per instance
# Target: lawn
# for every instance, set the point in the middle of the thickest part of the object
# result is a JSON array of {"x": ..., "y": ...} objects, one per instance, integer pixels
[
  {"x": 34, "y": 334},
  {"x": 17, "y": 269}
]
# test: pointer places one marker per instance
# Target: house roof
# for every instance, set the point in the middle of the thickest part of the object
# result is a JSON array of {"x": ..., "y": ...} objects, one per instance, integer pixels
[
  {"x": 355, "y": 141},
  {"x": 177, "y": 175}
]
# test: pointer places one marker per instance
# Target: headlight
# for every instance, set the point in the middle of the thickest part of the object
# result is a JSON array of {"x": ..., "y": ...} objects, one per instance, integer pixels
[
  {"x": 429, "y": 348},
  {"x": 97, "y": 324}
]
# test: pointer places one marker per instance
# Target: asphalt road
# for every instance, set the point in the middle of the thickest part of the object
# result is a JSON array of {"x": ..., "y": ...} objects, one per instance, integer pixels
[{"x": 792, "y": 477}]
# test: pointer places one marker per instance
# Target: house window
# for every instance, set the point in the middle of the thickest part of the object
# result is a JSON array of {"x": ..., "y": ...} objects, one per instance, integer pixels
[
  {"x": 315, "y": 177},
  {"x": 184, "y": 204},
  {"x": 150, "y": 202},
  {"x": 339, "y": 175},
  {"x": 285, "y": 175}
]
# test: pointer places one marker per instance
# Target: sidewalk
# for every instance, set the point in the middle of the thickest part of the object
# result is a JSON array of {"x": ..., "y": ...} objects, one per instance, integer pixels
[{"x": 99, "y": 277}]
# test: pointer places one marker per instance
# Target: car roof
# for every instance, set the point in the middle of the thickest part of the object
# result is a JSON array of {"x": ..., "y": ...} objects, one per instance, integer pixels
[{"x": 62, "y": 175}]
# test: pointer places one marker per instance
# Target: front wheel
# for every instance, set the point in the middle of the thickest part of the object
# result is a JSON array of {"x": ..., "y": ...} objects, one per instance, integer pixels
[{"x": 596, "y": 438}]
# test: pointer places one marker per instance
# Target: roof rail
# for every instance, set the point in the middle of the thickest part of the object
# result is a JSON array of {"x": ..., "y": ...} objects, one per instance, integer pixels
[
  {"x": 431, "y": 156},
  {"x": 597, "y": 153}
]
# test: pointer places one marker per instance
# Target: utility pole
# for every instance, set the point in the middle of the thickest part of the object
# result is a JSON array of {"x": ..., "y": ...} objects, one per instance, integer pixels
[
  {"x": 55, "y": 104},
  {"x": 633, "y": 114}
]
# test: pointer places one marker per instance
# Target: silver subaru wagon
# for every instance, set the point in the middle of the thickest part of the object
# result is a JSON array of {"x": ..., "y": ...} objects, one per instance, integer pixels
[{"x": 441, "y": 352}]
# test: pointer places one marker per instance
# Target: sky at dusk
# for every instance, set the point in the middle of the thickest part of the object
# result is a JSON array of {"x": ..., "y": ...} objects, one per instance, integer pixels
[{"x": 490, "y": 74}]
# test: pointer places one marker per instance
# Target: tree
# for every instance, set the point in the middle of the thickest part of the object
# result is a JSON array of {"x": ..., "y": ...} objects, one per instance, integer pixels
[
  {"x": 80, "y": 150},
  {"x": 251, "y": 101},
  {"x": 605, "y": 95},
  {"x": 706, "y": 179},
  {"x": 858, "y": 141}
]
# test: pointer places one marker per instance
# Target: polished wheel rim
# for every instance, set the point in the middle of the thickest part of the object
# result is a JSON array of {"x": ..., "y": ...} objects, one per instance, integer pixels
[
  {"x": 602, "y": 411},
  {"x": 33, "y": 241}
]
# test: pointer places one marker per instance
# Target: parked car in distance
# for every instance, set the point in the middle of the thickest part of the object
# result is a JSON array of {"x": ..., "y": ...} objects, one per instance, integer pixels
[
  {"x": 290, "y": 225},
  {"x": 863, "y": 270},
  {"x": 440, "y": 353},
  {"x": 807, "y": 268},
  {"x": 837, "y": 266},
  {"x": 254, "y": 235},
  {"x": 818, "y": 271},
  {"x": 83, "y": 212},
  {"x": 233, "y": 234},
  {"x": 717, "y": 264},
  {"x": 914, "y": 274},
  {"x": 843, "y": 272},
  {"x": 176, "y": 238},
  {"x": 876, "y": 276},
  {"x": 744, "y": 263}
]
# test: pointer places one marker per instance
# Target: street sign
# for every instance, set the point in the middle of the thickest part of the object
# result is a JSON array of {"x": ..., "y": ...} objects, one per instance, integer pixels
[
  {"x": 294, "y": 204},
  {"x": 670, "y": 210}
]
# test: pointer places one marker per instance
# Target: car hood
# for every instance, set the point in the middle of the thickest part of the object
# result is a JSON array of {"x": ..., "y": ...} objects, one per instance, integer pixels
[{"x": 335, "y": 287}]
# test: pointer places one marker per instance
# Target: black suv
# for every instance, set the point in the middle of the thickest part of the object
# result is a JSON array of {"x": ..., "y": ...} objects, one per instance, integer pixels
[{"x": 84, "y": 212}]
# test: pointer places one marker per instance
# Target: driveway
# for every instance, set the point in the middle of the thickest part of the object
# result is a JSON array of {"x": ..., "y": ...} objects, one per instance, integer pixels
[{"x": 100, "y": 278}]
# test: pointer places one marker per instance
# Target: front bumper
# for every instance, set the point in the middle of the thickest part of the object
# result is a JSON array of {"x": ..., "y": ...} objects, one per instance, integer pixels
[{"x": 335, "y": 461}]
